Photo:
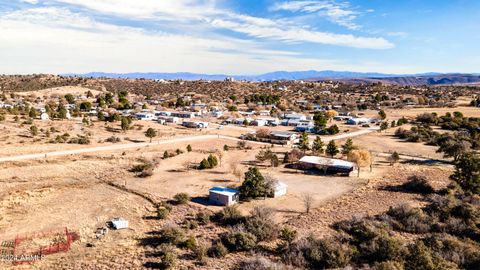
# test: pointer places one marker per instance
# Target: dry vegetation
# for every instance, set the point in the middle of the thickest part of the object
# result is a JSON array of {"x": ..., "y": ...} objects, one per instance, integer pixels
[{"x": 402, "y": 213}]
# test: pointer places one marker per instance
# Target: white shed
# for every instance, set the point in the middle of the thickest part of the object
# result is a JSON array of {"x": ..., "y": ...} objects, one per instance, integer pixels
[
  {"x": 223, "y": 196},
  {"x": 280, "y": 189},
  {"x": 119, "y": 223}
]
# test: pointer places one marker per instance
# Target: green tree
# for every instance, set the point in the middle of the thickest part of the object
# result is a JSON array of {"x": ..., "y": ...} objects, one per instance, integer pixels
[
  {"x": 32, "y": 113},
  {"x": 467, "y": 173},
  {"x": 125, "y": 123},
  {"x": 318, "y": 145},
  {"x": 332, "y": 149},
  {"x": 226, "y": 147},
  {"x": 204, "y": 164},
  {"x": 348, "y": 147},
  {"x": 382, "y": 114},
  {"x": 62, "y": 112},
  {"x": 304, "y": 143},
  {"x": 383, "y": 126},
  {"x": 70, "y": 98},
  {"x": 151, "y": 133},
  {"x": 254, "y": 185},
  {"x": 165, "y": 155},
  {"x": 189, "y": 148},
  {"x": 319, "y": 121},
  {"x": 85, "y": 106},
  {"x": 33, "y": 130},
  {"x": 213, "y": 161}
]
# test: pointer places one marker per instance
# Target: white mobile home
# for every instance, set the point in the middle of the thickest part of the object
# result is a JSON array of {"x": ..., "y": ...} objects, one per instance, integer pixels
[{"x": 145, "y": 116}]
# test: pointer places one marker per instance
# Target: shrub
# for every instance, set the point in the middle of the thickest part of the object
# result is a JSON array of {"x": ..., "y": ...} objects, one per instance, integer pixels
[
  {"x": 181, "y": 198},
  {"x": 200, "y": 252},
  {"x": 262, "y": 223},
  {"x": 418, "y": 184},
  {"x": 203, "y": 217},
  {"x": 172, "y": 235},
  {"x": 230, "y": 215},
  {"x": 168, "y": 257},
  {"x": 409, "y": 219},
  {"x": 421, "y": 257},
  {"x": 162, "y": 213},
  {"x": 361, "y": 229},
  {"x": 382, "y": 248},
  {"x": 218, "y": 250},
  {"x": 328, "y": 253},
  {"x": 113, "y": 139},
  {"x": 288, "y": 235},
  {"x": 79, "y": 140},
  {"x": 464, "y": 253},
  {"x": 145, "y": 169},
  {"x": 190, "y": 243},
  {"x": 239, "y": 240}
]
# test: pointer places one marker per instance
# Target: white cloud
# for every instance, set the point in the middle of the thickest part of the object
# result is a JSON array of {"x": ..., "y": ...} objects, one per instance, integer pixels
[
  {"x": 339, "y": 13},
  {"x": 33, "y": 2},
  {"x": 199, "y": 12},
  {"x": 55, "y": 40},
  {"x": 296, "y": 34},
  {"x": 398, "y": 34}
]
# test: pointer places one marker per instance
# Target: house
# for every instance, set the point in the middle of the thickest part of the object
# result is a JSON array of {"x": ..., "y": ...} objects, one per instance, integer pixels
[
  {"x": 327, "y": 165},
  {"x": 168, "y": 119},
  {"x": 283, "y": 137},
  {"x": 195, "y": 124},
  {"x": 119, "y": 223},
  {"x": 264, "y": 112},
  {"x": 223, "y": 196},
  {"x": 279, "y": 189},
  {"x": 296, "y": 116},
  {"x": 187, "y": 115},
  {"x": 162, "y": 113},
  {"x": 216, "y": 114},
  {"x": 359, "y": 121},
  {"x": 342, "y": 118},
  {"x": 305, "y": 126},
  {"x": 259, "y": 122},
  {"x": 145, "y": 116}
]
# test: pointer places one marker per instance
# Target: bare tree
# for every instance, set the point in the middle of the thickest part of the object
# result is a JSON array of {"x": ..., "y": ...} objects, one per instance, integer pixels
[{"x": 308, "y": 200}]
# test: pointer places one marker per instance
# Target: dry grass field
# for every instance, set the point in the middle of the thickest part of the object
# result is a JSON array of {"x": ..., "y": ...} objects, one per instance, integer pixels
[{"x": 82, "y": 192}]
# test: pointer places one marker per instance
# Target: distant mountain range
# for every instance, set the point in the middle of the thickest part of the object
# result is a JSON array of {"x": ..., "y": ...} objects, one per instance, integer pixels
[{"x": 311, "y": 75}]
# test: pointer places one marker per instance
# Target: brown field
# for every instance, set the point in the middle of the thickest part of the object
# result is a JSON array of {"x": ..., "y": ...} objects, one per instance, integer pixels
[{"x": 84, "y": 191}]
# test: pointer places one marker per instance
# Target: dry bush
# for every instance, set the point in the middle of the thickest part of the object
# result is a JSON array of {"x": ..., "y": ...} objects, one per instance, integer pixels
[
  {"x": 418, "y": 184},
  {"x": 262, "y": 223}
]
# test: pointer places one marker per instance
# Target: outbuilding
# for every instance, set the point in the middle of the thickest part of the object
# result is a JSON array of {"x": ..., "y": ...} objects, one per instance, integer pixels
[
  {"x": 279, "y": 189},
  {"x": 44, "y": 116},
  {"x": 223, "y": 196},
  {"x": 119, "y": 223}
]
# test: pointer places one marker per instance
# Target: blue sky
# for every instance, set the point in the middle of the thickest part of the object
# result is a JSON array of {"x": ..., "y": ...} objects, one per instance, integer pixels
[{"x": 239, "y": 37}]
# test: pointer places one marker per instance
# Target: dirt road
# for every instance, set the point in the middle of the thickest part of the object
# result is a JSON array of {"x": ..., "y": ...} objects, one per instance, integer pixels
[{"x": 170, "y": 141}]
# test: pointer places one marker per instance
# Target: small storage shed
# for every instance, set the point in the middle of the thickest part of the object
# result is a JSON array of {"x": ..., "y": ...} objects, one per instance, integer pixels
[
  {"x": 223, "y": 196},
  {"x": 119, "y": 223},
  {"x": 280, "y": 189}
]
